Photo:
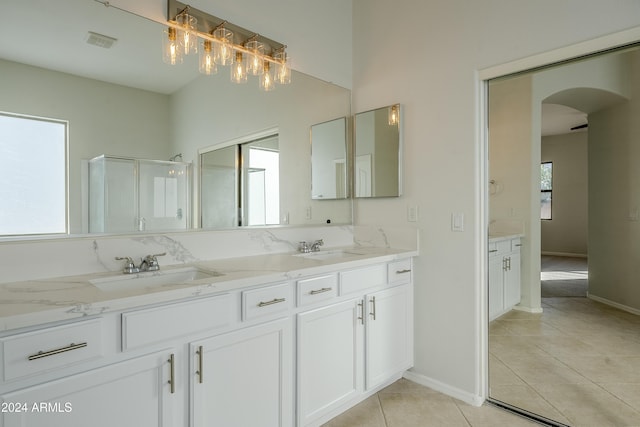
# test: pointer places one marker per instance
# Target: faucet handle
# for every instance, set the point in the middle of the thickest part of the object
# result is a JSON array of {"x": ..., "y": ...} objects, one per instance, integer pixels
[
  {"x": 129, "y": 266},
  {"x": 304, "y": 247}
]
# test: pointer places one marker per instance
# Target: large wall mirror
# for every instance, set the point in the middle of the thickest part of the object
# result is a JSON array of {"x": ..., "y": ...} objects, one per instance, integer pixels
[
  {"x": 378, "y": 153},
  {"x": 123, "y": 101},
  {"x": 564, "y": 150},
  {"x": 329, "y": 162}
]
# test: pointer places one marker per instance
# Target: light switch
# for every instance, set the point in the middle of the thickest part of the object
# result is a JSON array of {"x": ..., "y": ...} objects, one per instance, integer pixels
[
  {"x": 457, "y": 221},
  {"x": 412, "y": 214}
]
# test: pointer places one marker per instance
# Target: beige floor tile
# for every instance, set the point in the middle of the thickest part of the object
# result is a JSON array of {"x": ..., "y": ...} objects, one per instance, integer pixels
[
  {"x": 501, "y": 375},
  {"x": 544, "y": 370},
  {"x": 615, "y": 343},
  {"x": 414, "y": 410},
  {"x": 490, "y": 416},
  {"x": 525, "y": 397},
  {"x": 367, "y": 413},
  {"x": 589, "y": 405},
  {"x": 531, "y": 327},
  {"x": 405, "y": 386},
  {"x": 627, "y": 392},
  {"x": 514, "y": 346},
  {"x": 606, "y": 369},
  {"x": 565, "y": 346}
]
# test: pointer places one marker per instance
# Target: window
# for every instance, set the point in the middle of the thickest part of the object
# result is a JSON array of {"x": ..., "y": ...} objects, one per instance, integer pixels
[
  {"x": 546, "y": 187},
  {"x": 33, "y": 173}
]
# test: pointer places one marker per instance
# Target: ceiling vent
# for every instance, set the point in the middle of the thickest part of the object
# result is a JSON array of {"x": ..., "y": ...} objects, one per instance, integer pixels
[{"x": 100, "y": 40}]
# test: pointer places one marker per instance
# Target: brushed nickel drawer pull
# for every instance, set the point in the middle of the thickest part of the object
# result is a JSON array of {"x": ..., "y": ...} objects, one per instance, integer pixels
[
  {"x": 518, "y": 244},
  {"x": 200, "y": 372},
  {"x": 320, "y": 291},
  {"x": 41, "y": 354},
  {"x": 273, "y": 301},
  {"x": 493, "y": 250},
  {"x": 361, "y": 317},
  {"x": 407, "y": 270},
  {"x": 172, "y": 373},
  {"x": 373, "y": 307}
]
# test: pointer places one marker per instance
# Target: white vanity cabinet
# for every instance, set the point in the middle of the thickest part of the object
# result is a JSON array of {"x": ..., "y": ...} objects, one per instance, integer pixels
[
  {"x": 349, "y": 349},
  {"x": 330, "y": 359},
  {"x": 243, "y": 378},
  {"x": 137, "y": 392},
  {"x": 288, "y": 354},
  {"x": 504, "y": 276}
]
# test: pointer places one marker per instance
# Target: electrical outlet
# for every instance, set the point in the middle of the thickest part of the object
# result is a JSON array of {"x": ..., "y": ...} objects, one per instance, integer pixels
[{"x": 307, "y": 213}]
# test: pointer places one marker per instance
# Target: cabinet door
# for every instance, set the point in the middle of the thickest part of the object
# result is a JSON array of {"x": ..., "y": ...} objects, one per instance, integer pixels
[
  {"x": 330, "y": 361},
  {"x": 134, "y": 393},
  {"x": 244, "y": 378},
  {"x": 512, "y": 281},
  {"x": 496, "y": 286},
  {"x": 389, "y": 335}
]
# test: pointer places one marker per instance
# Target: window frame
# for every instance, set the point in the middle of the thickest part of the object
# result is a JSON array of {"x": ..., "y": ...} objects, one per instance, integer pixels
[
  {"x": 550, "y": 191},
  {"x": 65, "y": 124}
]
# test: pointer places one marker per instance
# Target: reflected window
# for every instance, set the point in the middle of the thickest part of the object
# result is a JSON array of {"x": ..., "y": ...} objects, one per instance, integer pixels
[
  {"x": 240, "y": 184},
  {"x": 546, "y": 189},
  {"x": 33, "y": 172}
]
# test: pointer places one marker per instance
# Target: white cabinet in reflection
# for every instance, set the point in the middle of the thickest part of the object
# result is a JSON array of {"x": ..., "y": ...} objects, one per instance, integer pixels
[{"x": 128, "y": 195}]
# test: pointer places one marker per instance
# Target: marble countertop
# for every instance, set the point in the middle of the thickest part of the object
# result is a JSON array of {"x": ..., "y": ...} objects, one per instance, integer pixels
[
  {"x": 36, "y": 302},
  {"x": 496, "y": 237}
]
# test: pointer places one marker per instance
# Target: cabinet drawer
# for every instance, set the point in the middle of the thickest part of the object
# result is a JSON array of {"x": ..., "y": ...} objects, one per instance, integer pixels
[
  {"x": 266, "y": 301},
  {"x": 362, "y": 278},
  {"x": 39, "y": 351},
  {"x": 399, "y": 272},
  {"x": 316, "y": 289},
  {"x": 153, "y": 325}
]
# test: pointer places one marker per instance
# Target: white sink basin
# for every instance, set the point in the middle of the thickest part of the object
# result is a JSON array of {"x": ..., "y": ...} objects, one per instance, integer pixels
[
  {"x": 328, "y": 255},
  {"x": 151, "y": 279}
]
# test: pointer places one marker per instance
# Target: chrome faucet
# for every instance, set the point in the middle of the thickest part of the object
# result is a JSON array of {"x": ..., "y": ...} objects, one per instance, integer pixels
[
  {"x": 150, "y": 262},
  {"x": 129, "y": 266},
  {"x": 305, "y": 247},
  {"x": 315, "y": 247}
]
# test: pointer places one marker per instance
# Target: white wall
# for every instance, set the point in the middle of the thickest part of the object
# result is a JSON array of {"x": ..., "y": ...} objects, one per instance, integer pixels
[
  {"x": 614, "y": 200},
  {"x": 431, "y": 65},
  {"x": 566, "y": 232},
  {"x": 103, "y": 118}
]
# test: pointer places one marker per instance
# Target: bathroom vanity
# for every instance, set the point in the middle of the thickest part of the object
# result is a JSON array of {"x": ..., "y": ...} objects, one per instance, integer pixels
[
  {"x": 269, "y": 340},
  {"x": 504, "y": 274}
]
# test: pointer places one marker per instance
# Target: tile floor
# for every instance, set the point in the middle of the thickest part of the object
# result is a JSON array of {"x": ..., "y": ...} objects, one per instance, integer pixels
[
  {"x": 407, "y": 404},
  {"x": 578, "y": 363}
]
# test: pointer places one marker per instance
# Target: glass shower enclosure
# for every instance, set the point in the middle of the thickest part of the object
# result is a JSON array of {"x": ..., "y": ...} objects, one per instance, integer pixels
[{"x": 128, "y": 195}]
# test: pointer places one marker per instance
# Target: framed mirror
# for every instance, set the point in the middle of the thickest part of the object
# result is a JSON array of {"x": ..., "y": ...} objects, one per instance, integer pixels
[
  {"x": 377, "y": 163},
  {"x": 124, "y": 101},
  {"x": 329, "y": 162}
]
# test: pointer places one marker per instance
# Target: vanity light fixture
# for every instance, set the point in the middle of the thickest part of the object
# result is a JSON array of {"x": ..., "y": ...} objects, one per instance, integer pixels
[
  {"x": 238, "y": 70},
  {"x": 207, "y": 63},
  {"x": 394, "y": 115},
  {"x": 187, "y": 31},
  {"x": 223, "y": 50},
  {"x": 171, "y": 50},
  {"x": 267, "y": 83},
  {"x": 223, "y": 44},
  {"x": 255, "y": 63},
  {"x": 283, "y": 67}
]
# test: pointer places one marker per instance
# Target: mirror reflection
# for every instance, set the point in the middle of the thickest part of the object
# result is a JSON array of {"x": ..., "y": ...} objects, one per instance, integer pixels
[
  {"x": 125, "y": 102},
  {"x": 329, "y": 164},
  {"x": 564, "y": 187},
  {"x": 377, "y": 160}
]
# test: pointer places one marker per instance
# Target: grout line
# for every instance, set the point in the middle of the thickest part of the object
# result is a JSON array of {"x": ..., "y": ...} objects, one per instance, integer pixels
[{"x": 384, "y": 416}]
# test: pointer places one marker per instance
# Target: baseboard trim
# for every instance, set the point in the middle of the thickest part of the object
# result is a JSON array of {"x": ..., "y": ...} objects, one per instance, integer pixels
[
  {"x": 567, "y": 254},
  {"x": 470, "y": 398},
  {"x": 528, "y": 309},
  {"x": 614, "y": 304}
]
